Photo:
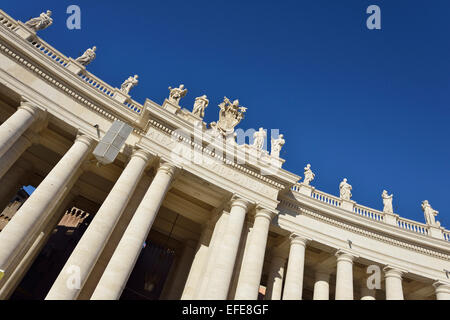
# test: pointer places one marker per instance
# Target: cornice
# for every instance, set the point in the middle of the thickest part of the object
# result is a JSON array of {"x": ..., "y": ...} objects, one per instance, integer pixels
[
  {"x": 63, "y": 78},
  {"x": 365, "y": 230}
]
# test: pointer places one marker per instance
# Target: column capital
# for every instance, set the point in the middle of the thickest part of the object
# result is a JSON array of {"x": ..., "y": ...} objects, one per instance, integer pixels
[
  {"x": 168, "y": 168},
  {"x": 239, "y": 202},
  {"x": 37, "y": 112},
  {"x": 395, "y": 272},
  {"x": 84, "y": 138},
  {"x": 344, "y": 255},
  {"x": 298, "y": 239},
  {"x": 442, "y": 287},
  {"x": 140, "y": 153},
  {"x": 264, "y": 213}
]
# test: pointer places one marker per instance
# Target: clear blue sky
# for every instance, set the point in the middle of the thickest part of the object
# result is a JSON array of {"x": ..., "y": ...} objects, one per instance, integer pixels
[{"x": 369, "y": 105}]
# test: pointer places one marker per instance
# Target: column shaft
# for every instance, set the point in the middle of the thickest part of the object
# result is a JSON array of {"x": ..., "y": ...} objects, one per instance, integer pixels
[
  {"x": 15, "y": 125},
  {"x": 252, "y": 265},
  {"x": 293, "y": 287},
  {"x": 32, "y": 212},
  {"x": 122, "y": 262},
  {"x": 222, "y": 270},
  {"x": 322, "y": 286},
  {"x": 14, "y": 152},
  {"x": 275, "y": 279},
  {"x": 198, "y": 265},
  {"x": 94, "y": 239},
  {"x": 344, "y": 276},
  {"x": 213, "y": 252},
  {"x": 393, "y": 282}
]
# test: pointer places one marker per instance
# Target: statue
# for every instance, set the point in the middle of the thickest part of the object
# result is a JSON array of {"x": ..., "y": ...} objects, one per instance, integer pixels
[
  {"x": 200, "y": 105},
  {"x": 309, "y": 175},
  {"x": 176, "y": 94},
  {"x": 277, "y": 144},
  {"x": 229, "y": 116},
  {"x": 387, "y": 202},
  {"x": 41, "y": 22},
  {"x": 87, "y": 56},
  {"x": 128, "y": 84},
  {"x": 430, "y": 213},
  {"x": 345, "y": 190},
  {"x": 258, "y": 139}
]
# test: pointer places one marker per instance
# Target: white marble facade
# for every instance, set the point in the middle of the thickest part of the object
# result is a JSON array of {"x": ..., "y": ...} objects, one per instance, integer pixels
[{"x": 238, "y": 230}]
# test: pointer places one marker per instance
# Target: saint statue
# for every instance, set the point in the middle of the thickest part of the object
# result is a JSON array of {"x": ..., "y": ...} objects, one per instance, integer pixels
[
  {"x": 200, "y": 105},
  {"x": 430, "y": 214},
  {"x": 258, "y": 139},
  {"x": 128, "y": 84},
  {"x": 309, "y": 175},
  {"x": 41, "y": 22},
  {"x": 387, "y": 202},
  {"x": 345, "y": 190},
  {"x": 87, "y": 56},
  {"x": 176, "y": 94},
  {"x": 277, "y": 144}
]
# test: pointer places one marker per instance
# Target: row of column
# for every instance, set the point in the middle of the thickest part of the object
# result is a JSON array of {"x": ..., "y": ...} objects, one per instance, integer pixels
[
  {"x": 21, "y": 232},
  {"x": 293, "y": 281}
]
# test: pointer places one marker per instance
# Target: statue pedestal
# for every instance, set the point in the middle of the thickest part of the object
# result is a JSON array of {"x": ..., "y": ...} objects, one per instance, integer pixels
[
  {"x": 75, "y": 67},
  {"x": 347, "y": 204},
  {"x": 390, "y": 218},
  {"x": 195, "y": 120},
  {"x": 120, "y": 96},
  {"x": 436, "y": 232},
  {"x": 24, "y": 32},
  {"x": 307, "y": 190},
  {"x": 169, "y": 106}
]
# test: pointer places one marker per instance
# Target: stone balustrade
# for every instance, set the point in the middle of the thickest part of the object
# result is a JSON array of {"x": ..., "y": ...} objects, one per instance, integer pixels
[{"x": 372, "y": 214}]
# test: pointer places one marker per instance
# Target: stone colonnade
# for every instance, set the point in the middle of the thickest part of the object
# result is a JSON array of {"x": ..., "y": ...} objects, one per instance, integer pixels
[{"x": 207, "y": 265}]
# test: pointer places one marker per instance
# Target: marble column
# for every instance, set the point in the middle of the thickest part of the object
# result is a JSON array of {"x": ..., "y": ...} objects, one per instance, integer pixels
[
  {"x": 344, "y": 276},
  {"x": 33, "y": 211},
  {"x": 41, "y": 239},
  {"x": 252, "y": 264},
  {"x": 213, "y": 252},
  {"x": 442, "y": 290},
  {"x": 122, "y": 262},
  {"x": 366, "y": 293},
  {"x": 275, "y": 279},
  {"x": 94, "y": 239},
  {"x": 198, "y": 265},
  {"x": 14, "y": 152},
  {"x": 222, "y": 270},
  {"x": 393, "y": 282},
  {"x": 17, "y": 124},
  {"x": 182, "y": 271},
  {"x": 322, "y": 285},
  {"x": 293, "y": 287}
]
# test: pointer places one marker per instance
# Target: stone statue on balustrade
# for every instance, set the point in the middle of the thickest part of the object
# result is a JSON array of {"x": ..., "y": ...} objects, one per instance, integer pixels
[
  {"x": 176, "y": 94},
  {"x": 258, "y": 139},
  {"x": 387, "y": 202},
  {"x": 200, "y": 105},
  {"x": 87, "y": 56},
  {"x": 41, "y": 22},
  {"x": 277, "y": 144},
  {"x": 345, "y": 190},
  {"x": 128, "y": 84},
  {"x": 309, "y": 175},
  {"x": 430, "y": 214},
  {"x": 231, "y": 113}
]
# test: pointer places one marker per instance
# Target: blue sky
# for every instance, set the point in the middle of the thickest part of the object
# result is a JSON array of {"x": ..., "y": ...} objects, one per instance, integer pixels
[{"x": 368, "y": 105}]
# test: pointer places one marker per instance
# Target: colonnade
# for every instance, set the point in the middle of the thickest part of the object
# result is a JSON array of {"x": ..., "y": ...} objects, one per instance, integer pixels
[{"x": 208, "y": 265}]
